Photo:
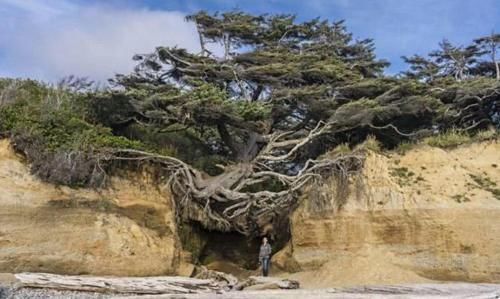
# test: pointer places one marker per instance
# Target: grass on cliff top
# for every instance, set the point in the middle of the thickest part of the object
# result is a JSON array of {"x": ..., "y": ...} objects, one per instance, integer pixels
[
  {"x": 445, "y": 140},
  {"x": 371, "y": 143},
  {"x": 449, "y": 139}
]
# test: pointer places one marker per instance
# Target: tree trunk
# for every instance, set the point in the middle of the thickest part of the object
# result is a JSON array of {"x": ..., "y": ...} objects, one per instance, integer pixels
[
  {"x": 497, "y": 67},
  {"x": 498, "y": 70},
  {"x": 257, "y": 92},
  {"x": 227, "y": 45},
  {"x": 202, "y": 41},
  {"x": 228, "y": 139},
  {"x": 493, "y": 45}
]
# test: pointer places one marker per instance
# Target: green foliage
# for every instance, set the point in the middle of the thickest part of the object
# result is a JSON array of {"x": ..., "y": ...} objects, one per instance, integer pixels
[
  {"x": 252, "y": 111},
  {"x": 208, "y": 98},
  {"x": 483, "y": 135},
  {"x": 61, "y": 118},
  {"x": 276, "y": 75},
  {"x": 453, "y": 138},
  {"x": 371, "y": 143},
  {"x": 54, "y": 127},
  {"x": 340, "y": 149},
  {"x": 449, "y": 139},
  {"x": 361, "y": 104},
  {"x": 9, "y": 118},
  {"x": 369, "y": 88},
  {"x": 405, "y": 146}
]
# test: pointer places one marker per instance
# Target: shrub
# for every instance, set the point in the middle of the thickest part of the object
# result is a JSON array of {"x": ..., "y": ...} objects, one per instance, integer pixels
[
  {"x": 451, "y": 138},
  {"x": 54, "y": 130},
  {"x": 405, "y": 146},
  {"x": 486, "y": 135},
  {"x": 371, "y": 143}
]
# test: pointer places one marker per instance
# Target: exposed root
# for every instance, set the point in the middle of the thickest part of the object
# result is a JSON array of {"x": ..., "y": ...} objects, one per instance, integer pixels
[{"x": 249, "y": 195}]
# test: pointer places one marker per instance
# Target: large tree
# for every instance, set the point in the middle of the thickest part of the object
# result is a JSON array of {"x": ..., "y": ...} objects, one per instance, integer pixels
[{"x": 281, "y": 94}]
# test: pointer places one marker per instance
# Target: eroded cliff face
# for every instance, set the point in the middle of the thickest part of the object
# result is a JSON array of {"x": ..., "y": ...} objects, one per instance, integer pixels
[
  {"x": 426, "y": 215},
  {"x": 429, "y": 214},
  {"x": 128, "y": 229}
]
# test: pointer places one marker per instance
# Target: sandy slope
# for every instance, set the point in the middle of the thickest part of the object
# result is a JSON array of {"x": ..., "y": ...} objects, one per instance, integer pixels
[
  {"x": 415, "y": 217},
  {"x": 125, "y": 230},
  {"x": 435, "y": 224}
]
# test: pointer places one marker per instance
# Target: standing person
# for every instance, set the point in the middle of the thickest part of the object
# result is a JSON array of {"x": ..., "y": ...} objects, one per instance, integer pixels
[{"x": 264, "y": 256}]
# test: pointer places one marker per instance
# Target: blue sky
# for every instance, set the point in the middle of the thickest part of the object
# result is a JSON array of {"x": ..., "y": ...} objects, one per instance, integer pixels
[{"x": 50, "y": 39}]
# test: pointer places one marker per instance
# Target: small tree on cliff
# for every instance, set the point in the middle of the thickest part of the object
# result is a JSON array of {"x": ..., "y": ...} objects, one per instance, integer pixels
[
  {"x": 490, "y": 45},
  {"x": 455, "y": 60},
  {"x": 421, "y": 68}
]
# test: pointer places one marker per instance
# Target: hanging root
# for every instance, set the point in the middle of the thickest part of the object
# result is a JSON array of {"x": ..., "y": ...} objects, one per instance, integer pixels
[{"x": 248, "y": 196}]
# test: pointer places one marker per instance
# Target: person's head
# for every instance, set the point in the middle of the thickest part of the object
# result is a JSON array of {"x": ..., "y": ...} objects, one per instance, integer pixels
[{"x": 264, "y": 240}]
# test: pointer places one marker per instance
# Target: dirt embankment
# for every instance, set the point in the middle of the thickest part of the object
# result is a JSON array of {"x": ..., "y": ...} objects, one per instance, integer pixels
[
  {"x": 128, "y": 229},
  {"x": 429, "y": 214}
]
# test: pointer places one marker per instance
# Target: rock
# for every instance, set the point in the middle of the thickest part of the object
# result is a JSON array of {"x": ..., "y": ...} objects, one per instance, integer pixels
[
  {"x": 284, "y": 260},
  {"x": 186, "y": 268}
]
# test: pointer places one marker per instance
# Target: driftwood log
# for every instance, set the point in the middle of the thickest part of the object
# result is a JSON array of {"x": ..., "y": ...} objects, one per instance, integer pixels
[
  {"x": 213, "y": 282},
  {"x": 266, "y": 283},
  {"x": 123, "y": 285},
  {"x": 225, "y": 280}
]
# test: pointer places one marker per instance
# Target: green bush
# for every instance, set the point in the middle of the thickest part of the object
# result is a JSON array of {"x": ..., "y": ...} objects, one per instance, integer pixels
[
  {"x": 54, "y": 128},
  {"x": 453, "y": 138},
  {"x": 405, "y": 146},
  {"x": 371, "y": 143}
]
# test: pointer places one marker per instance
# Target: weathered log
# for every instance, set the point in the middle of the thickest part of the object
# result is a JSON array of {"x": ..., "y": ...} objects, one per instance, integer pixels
[
  {"x": 225, "y": 280},
  {"x": 131, "y": 285},
  {"x": 267, "y": 283}
]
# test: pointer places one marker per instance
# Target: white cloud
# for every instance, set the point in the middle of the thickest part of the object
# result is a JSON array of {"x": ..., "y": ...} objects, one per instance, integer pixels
[{"x": 51, "y": 39}]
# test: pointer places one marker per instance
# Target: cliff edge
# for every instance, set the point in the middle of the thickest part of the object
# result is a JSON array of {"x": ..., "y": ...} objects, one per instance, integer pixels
[{"x": 428, "y": 214}]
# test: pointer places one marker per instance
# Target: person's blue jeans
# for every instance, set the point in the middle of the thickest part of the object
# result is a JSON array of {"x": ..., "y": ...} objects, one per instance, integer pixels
[{"x": 265, "y": 266}]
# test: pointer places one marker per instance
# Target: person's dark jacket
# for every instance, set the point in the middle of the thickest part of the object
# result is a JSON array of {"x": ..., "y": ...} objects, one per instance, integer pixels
[{"x": 265, "y": 251}]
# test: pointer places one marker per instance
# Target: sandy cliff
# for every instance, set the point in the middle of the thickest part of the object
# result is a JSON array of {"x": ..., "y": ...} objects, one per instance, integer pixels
[
  {"x": 429, "y": 214},
  {"x": 126, "y": 230},
  {"x": 426, "y": 215}
]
